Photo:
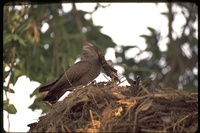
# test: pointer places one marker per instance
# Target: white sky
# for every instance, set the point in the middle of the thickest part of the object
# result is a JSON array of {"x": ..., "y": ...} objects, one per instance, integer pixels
[{"x": 124, "y": 23}]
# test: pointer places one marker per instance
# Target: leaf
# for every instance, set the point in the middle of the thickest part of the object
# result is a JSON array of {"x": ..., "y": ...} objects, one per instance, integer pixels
[
  {"x": 10, "y": 108},
  {"x": 21, "y": 41},
  {"x": 7, "y": 38},
  {"x": 164, "y": 13},
  {"x": 9, "y": 90},
  {"x": 125, "y": 48},
  {"x": 42, "y": 59},
  {"x": 151, "y": 29},
  {"x": 145, "y": 36},
  {"x": 17, "y": 73},
  {"x": 14, "y": 78},
  {"x": 5, "y": 102},
  {"x": 15, "y": 37},
  {"x": 37, "y": 104}
]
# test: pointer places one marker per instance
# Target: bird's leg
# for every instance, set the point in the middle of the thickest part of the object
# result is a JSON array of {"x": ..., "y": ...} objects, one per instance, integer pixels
[
  {"x": 137, "y": 81},
  {"x": 92, "y": 83},
  {"x": 48, "y": 103}
]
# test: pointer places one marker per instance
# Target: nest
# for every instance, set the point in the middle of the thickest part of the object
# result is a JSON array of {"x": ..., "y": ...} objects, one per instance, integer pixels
[{"x": 109, "y": 107}]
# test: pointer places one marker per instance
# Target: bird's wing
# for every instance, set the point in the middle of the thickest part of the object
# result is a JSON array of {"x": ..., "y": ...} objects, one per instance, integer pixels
[
  {"x": 72, "y": 75},
  {"x": 79, "y": 69},
  {"x": 49, "y": 86}
]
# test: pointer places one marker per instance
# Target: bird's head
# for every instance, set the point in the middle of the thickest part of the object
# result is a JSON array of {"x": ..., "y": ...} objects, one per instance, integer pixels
[{"x": 90, "y": 51}]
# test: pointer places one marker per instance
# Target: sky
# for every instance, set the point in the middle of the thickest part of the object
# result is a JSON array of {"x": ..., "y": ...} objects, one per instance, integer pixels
[{"x": 124, "y": 23}]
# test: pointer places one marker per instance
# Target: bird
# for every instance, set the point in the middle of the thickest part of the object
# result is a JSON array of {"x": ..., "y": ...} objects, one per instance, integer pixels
[{"x": 81, "y": 73}]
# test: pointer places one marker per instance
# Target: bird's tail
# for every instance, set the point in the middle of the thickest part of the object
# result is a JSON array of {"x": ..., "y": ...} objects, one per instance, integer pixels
[
  {"x": 49, "y": 86},
  {"x": 46, "y": 87},
  {"x": 53, "y": 97}
]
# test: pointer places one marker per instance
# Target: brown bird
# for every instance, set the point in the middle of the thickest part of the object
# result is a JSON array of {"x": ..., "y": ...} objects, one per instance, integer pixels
[{"x": 81, "y": 73}]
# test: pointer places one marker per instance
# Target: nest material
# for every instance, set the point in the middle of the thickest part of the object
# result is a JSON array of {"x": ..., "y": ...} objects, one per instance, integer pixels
[{"x": 108, "y": 107}]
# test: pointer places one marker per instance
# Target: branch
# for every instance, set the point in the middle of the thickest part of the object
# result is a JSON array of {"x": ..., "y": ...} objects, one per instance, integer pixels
[
  {"x": 172, "y": 57},
  {"x": 78, "y": 22},
  {"x": 109, "y": 70},
  {"x": 8, "y": 85}
]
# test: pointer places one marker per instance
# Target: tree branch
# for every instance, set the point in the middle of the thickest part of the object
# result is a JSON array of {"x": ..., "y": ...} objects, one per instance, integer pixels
[
  {"x": 172, "y": 56},
  {"x": 78, "y": 22}
]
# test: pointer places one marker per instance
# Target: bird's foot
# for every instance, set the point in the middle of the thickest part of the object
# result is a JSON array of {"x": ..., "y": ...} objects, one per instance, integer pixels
[{"x": 137, "y": 81}]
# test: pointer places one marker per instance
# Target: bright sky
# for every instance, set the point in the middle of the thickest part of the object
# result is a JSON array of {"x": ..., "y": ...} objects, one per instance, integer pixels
[{"x": 124, "y": 23}]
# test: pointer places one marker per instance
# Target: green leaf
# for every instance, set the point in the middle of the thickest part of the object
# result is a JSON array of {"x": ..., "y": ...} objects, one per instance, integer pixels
[
  {"x": 7, "y": 38},
  {"x": 17, "y": 73},
  {"x": 9, "y": 90},
  {"x": 10, "y": 108},
  {"x": 21, "y": 41},
  {"x": 164, "y": 13},
  {"x": 151, "y": 29},
  {"x": 37, "y": 104},
  {"x": 5, "y": 102},
  {"x": 129, "y": 47},
  {"x": 145, "y": 36},
  {"x": 15, "y": 37},
  {"x": 42, "y": 59}
]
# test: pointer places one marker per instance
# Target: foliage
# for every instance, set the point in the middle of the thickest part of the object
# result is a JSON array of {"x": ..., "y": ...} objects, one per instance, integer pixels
[
  {"x": 42, "y": 54},
  {"x": 174, "y": 67}
]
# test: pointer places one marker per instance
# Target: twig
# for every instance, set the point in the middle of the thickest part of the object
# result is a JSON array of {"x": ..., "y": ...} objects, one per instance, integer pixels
[
  {"x": 109, "y": 70},
  {"x": 179, "y": 121},
  {"x": 8, "y": 86},
  {"x": 92, "y": 118},
  {"x": 78, "y": 22}
]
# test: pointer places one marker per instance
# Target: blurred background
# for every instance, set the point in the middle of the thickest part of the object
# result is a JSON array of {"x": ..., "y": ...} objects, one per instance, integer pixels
[{"x": 40, "y": 41}]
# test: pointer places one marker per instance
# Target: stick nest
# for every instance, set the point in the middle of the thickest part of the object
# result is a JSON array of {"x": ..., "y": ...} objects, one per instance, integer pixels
[{"x": 108, "y": 107}]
